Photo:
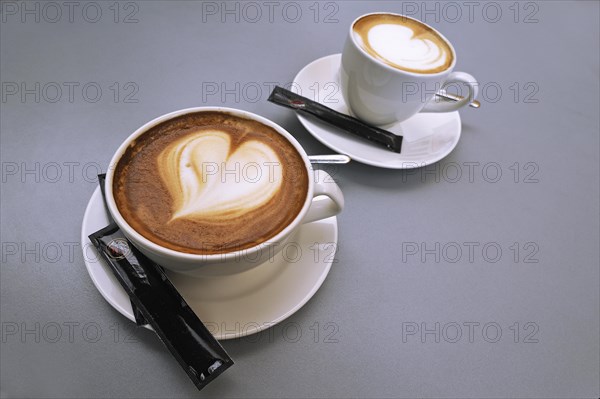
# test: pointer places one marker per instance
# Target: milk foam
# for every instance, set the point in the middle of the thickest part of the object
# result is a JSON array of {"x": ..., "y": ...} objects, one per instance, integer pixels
[
  {"x": 400, "y": 46},
  {"x": 207, "y": 180}
]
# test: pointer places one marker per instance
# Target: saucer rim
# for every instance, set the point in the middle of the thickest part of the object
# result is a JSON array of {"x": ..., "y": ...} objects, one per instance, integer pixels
[
  {"x": 307, "y": 123},
  {"x": 92, "y": 206}
]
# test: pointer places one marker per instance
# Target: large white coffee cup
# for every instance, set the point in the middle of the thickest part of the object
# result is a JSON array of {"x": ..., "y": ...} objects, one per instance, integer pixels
[
  {"x": 320, "y": 184},
  {"x": 380, "y": 93}
]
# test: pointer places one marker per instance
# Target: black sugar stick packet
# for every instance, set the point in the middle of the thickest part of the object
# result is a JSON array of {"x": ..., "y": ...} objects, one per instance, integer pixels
[
  {"x": 286, "y": 98},
  {"x": 140, "y": 320},
  {"x": 161, "y": 306}
]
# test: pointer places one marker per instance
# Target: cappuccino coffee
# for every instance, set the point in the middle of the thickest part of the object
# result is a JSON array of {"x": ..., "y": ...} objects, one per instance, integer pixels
[
  {"x": 403, "y": 43},
  {"x": 210, "y": 182}
]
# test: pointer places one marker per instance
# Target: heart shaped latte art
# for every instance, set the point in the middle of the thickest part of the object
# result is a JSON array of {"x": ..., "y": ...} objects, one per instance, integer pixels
[
  {"x": 207, "y": 180},
  {"x": 407, "y": 49}
]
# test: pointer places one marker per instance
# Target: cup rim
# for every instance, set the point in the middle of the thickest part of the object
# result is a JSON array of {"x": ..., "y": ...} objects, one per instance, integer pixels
[
  {"x": 390, "y": 68},
  {"x": 222, "y": 256}
]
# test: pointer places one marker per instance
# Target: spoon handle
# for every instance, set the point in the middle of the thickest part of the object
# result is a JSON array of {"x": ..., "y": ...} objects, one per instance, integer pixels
[
  {"x": 454, "y": 97},
  {"x": 329, "y": 159}
]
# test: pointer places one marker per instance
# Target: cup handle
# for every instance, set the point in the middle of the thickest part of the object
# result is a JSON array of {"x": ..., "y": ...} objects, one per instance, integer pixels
[
  {"x": 322, "y": 208},
  {"x": 437, "y": 105}
]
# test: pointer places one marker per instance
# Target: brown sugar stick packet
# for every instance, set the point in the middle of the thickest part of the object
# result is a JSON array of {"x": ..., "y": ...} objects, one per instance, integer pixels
[
  {"x": 303, "y": 105},
  {"x": 175, "y": 323}
]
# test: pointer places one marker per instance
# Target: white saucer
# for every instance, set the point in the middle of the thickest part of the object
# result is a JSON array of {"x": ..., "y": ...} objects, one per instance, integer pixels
[
  {"x": 428, "y": 137},
  {"x": 238, "y": 305}
]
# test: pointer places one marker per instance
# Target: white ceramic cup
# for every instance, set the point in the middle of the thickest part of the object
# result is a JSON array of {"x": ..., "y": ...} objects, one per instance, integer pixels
[
  {"x": 319, "y": 184},
  {"x": 380, "y": 94}
]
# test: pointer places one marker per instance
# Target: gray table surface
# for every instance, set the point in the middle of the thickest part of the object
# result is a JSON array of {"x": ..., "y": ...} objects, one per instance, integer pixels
[{"x": 538, "y": 126}]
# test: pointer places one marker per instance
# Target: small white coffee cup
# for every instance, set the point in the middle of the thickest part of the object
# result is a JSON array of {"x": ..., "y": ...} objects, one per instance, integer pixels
[
  {"x": 319, "y": 184},
  {"x": 381, "y": 94}
]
